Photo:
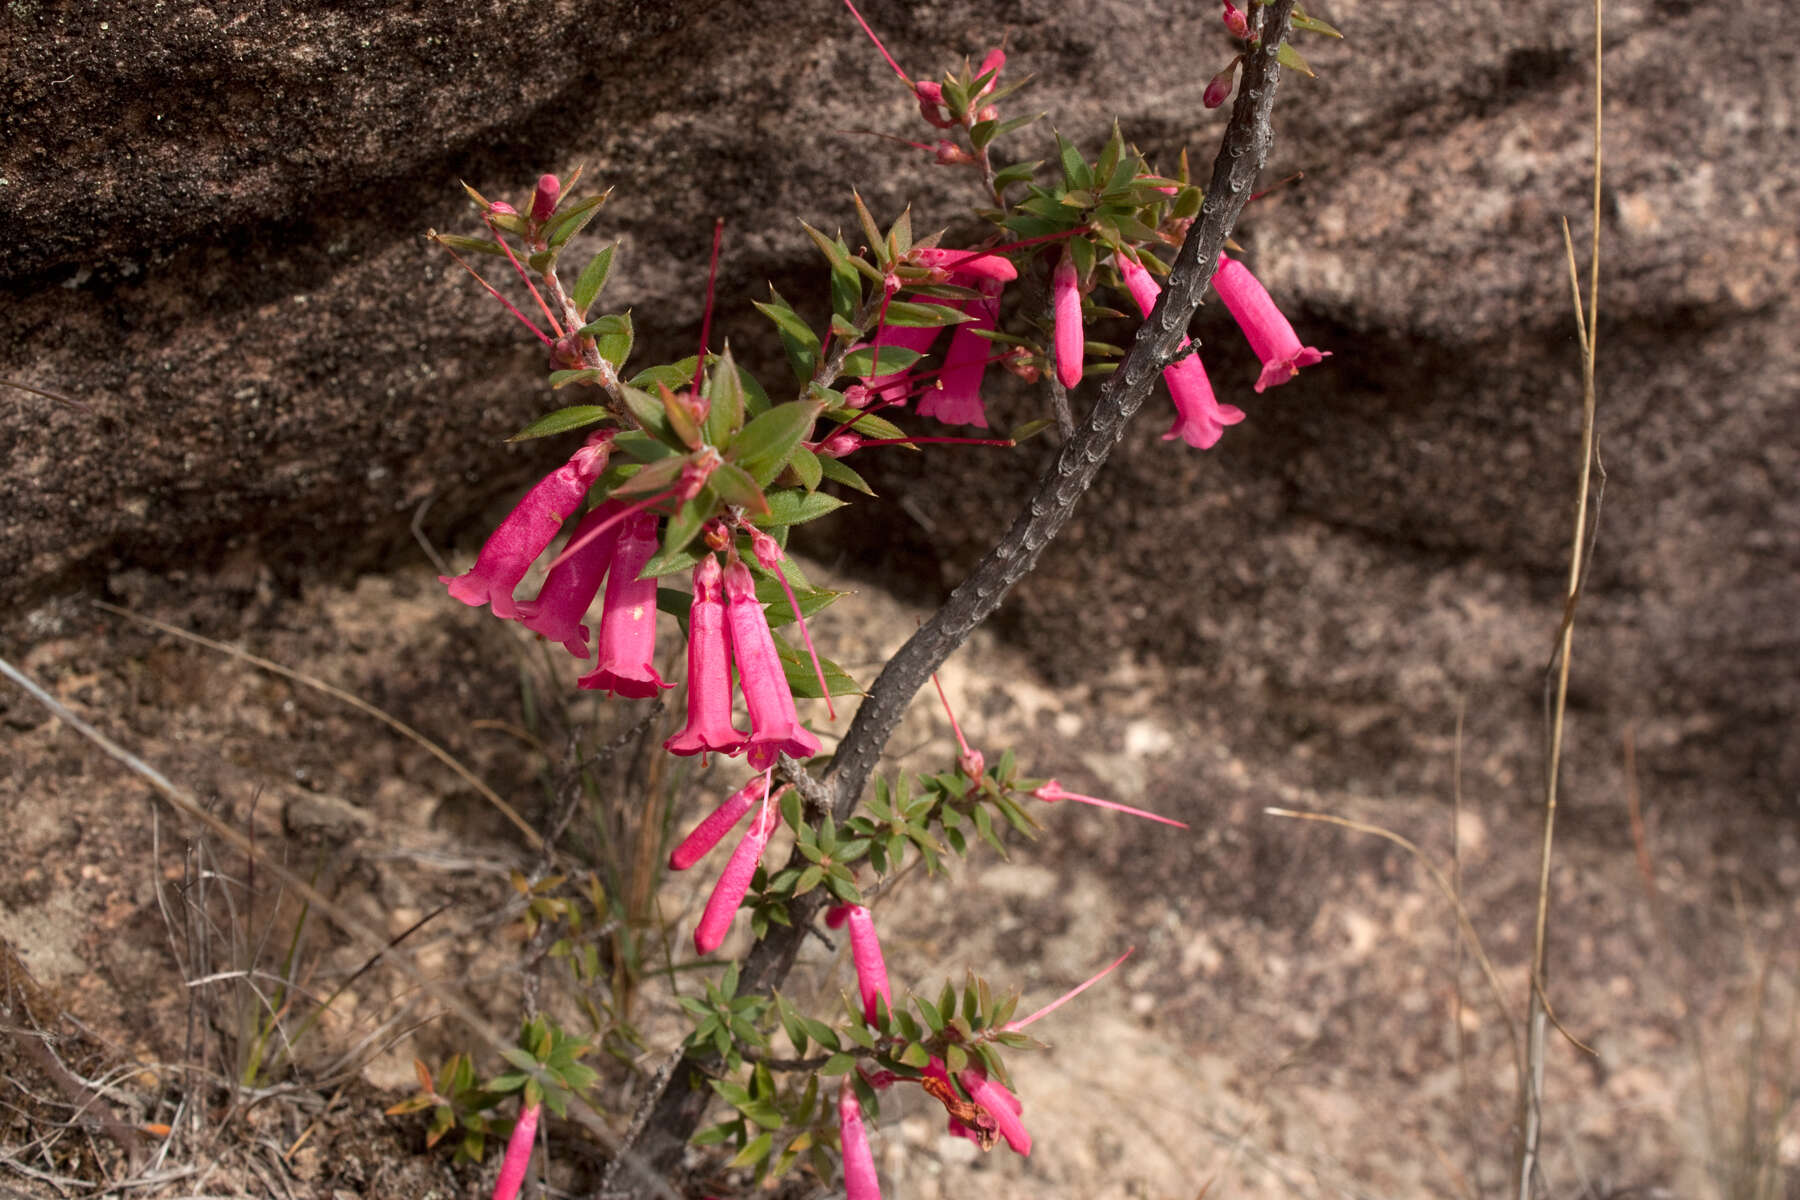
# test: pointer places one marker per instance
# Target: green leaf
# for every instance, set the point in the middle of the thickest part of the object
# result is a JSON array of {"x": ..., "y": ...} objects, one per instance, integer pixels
[
  {"x": 560, "y": 379},
  {"x": 612, "y": 336},
  {"x": 797, "y": 337},
  {"x": 650, "y": 415},
  {"x": 870, "y": 229},
  {"x": 766, "y": 443},
  {"x": 1019, "y": 172},
  {"x": 838, "y": 1064},
  {"x": 1074, "y": 167},
  {"x": 921, "y": 316},
  {"x": 725, "y": 395},
  {"x": 1287, "y": 56},
  {"x": 837, "y": 472},
  {"x": 471, "y": 245},
  {"x": 561, "y": 421},
  {"x": 915, "y": 1056},
  {"x": 592, "y": 279},
  {"x": 797, "y": 666},
  {"x": 794, "y": 506},
  {"x": 806, "y": 465},
  {"x": 755, "y": 1152},
  {"x": 571, "y": 220},
  {"x": 1312, "y": 24},
  {"x": 735, "y": 486},
  {"x": 860, "y": 364}
]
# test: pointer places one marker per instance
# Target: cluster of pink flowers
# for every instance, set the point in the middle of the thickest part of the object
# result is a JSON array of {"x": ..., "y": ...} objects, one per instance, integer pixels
[{"x": 612, "y": 544}]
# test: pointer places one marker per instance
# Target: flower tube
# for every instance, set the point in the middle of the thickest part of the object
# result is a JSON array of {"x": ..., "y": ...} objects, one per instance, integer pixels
[
  {"x": 860, "y": 1182},
  {"x": 775, "y": 725},
  {"x": 626, "y": 666},
  {"x": 570, "y": 587},
  {"x": 521, "y": 537},
  {"x": 709, "y": 671},
  {"x": 709, "y": 832},
  {"x": 1065, "y": 295},
  {"x": 1269, "y": 333},
  {"x": 1200, "y": 419},
  {"x": 734, "y": 881},
  {"x": 865, "y": 952}
]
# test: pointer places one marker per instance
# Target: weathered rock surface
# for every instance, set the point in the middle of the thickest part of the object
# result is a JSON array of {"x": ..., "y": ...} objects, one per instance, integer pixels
[{"x": 212, "y": 241}]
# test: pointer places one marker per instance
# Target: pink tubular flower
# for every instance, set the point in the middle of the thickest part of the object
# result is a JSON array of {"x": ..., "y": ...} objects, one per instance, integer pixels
[
  {"x": 865, "y": 952},
  {"x": 957, "y": 398},
  {"x": 569, "y": 589},
  {"x": 514, "y": 546},
  {"x": 775, "y": 726},
  {"x": 718, "y": 823},
  {"x": 1065, "y": 292},
  {"x": 1001, "y": 1105},
  {"x": 734, "y": 880},
  {"x": 518, "y": 1153},
  {"x": 708, "y": 671},
  {"x": 971, "y": 264},
  {"x": 626, "y": 667},
  {"x": 1200, "y": 419},
  {"x": 859, "y": 1161},
  {"x": 1268, "y": 332}
]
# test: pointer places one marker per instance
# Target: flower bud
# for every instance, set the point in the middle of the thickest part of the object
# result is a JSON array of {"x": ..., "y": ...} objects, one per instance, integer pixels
[
  {"x": 1236, "y": 22},
  {"x": 501, "y": 208},
  {"x": 1219, "y": 90},
  {"x": 949, "y": 154},
  {"x": 543, "y": 200},
  {"x": 931, "y": 103}
]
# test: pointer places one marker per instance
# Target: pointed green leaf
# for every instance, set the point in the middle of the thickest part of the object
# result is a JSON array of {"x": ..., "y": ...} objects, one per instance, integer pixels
[
  {"x": 763, "y": 447},
  {"x": 1287, "y": 56},
  {"x": 561, "y": 421},
  {"x": 592, "y": 279},
  {"x": 734, "y": 486}
]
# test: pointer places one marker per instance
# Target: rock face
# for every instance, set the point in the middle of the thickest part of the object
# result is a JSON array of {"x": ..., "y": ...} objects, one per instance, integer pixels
[{"x": 213, "y": 224}]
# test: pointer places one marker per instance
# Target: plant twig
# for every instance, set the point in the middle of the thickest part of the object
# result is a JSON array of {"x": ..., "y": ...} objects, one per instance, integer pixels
[{"x": 1244, "y": 149}]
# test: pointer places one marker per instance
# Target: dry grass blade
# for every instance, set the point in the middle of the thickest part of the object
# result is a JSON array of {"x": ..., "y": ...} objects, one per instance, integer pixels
[
  {"x": 179, "y": 799},
  {"x": 1538, "y": 1016},
  {"x": 356, "y": 702}
]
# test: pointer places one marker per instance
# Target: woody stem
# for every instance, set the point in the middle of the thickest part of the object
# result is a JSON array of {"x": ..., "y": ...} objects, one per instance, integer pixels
[{"x": 1248, "y": 136}]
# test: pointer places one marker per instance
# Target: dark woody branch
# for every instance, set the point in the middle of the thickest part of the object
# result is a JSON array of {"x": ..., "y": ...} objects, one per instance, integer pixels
[{"x": 1245, "y": 148}]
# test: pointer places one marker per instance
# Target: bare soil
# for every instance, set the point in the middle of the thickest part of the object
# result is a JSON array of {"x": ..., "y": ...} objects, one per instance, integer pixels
[{"x": 1299, "y": 1018}]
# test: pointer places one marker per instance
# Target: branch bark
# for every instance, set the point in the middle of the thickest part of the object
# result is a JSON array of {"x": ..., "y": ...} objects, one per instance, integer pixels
[{"x": 1244, "y": 150}]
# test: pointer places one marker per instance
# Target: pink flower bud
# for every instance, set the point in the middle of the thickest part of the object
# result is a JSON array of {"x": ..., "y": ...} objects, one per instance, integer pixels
[
  {"x": 858, "y": 395},
  {"x": 1065, "y": 292},
  {"x": 626, "y": 667},
  {"x": 775, "y": 725},
  {"x": 949, "y": 154},
  {"x": 839, "y": 444},
  {"x": 1236, "y": 22},
  {"x": 515, "y": 544},
  {"x": 931, "y": 104},
  {"x": 1200, "y": 419},
  {"x": 1219, "y": 89},
  {"x": 734, "y": 881},
  {"x": 709, "y": 832},
  {"x": 1268, "y": 332},
  {"x": 995, "y": 62},
  {"x": 767, "y": 550},
  {"x": 502, "y": 208},
  {"x": 543, "y": 200},
  {"x": 709, "y": 672}
]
